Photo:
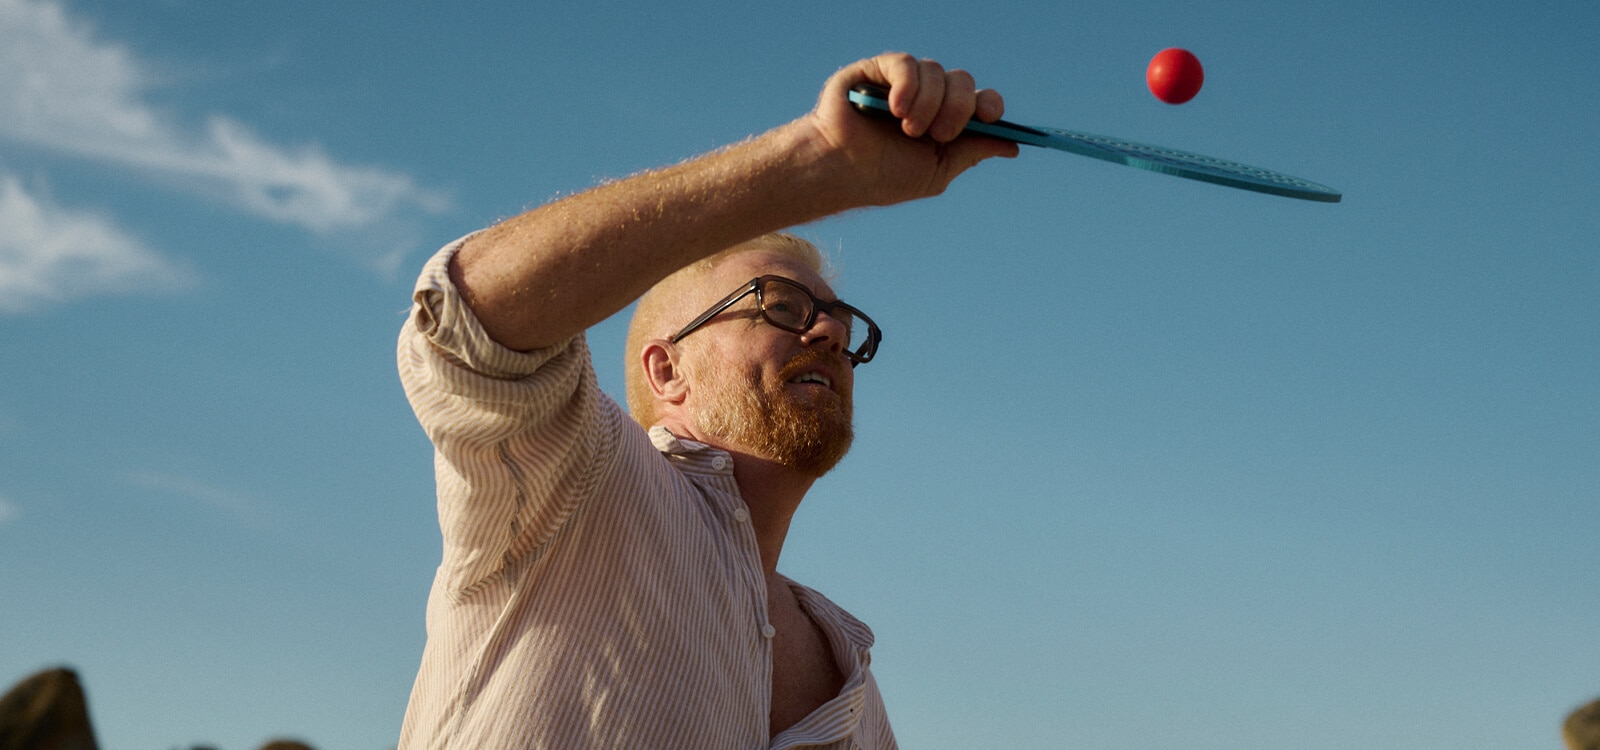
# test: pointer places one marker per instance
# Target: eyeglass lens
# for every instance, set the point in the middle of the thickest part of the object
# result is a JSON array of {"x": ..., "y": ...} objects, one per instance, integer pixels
[{"x": 788, "y": 306}]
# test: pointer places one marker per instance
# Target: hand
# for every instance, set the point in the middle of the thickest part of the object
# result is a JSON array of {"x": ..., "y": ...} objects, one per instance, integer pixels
[{"x": 930, "y": 150}]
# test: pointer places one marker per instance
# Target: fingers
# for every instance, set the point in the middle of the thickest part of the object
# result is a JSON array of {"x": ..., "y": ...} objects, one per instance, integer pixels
[
  {"x": 928, "y": 99},
  {"x": 933, "y": 106},
  {"x": 955, "y": 108},
  {"x": 990, "y": 106}
]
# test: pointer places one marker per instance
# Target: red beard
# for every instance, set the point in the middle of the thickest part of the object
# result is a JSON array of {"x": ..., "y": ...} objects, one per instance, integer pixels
[{"x": 765, "y": 418}]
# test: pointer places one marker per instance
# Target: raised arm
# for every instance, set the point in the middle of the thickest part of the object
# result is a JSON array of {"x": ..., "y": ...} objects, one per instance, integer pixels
[{"x": 542, "y": 276}]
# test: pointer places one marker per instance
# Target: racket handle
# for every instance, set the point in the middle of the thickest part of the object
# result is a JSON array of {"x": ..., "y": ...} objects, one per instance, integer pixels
[
  {"x": 873, "y": 101},
  {"x": 863, "y": 93}
]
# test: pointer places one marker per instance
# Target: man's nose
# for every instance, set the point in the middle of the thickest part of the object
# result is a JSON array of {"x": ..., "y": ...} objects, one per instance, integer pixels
[{"x": 826, "y": 330}]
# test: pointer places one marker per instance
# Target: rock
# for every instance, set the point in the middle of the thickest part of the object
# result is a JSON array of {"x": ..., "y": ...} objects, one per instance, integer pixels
[
  {"x": 46, "y": 712},
  {"x": 1582, "y": 728}
]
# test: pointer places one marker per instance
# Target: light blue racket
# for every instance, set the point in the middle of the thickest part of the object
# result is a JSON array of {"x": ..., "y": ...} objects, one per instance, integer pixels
[{"x": 875, "y": 100}]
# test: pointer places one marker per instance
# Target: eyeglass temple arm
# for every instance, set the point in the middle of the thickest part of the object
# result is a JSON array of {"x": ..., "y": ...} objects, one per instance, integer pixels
[{"x": 714, "y": 311}]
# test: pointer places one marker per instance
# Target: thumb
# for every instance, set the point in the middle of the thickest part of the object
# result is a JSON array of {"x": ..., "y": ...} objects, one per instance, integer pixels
[{"x": 970, "y": 149}]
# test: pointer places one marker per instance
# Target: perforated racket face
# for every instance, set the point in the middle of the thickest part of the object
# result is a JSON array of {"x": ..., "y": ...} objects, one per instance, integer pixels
[
  {"x": 1153, "y": 158},
  {"x": 1180, "y": 163}
]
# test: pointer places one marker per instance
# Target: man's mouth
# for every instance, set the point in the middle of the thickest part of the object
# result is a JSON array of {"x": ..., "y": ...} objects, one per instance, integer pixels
[{"x": 813, "y": 377}]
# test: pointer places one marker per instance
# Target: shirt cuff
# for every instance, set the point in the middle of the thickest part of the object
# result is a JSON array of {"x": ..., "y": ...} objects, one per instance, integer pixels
[{"x": 444, "y": 319}]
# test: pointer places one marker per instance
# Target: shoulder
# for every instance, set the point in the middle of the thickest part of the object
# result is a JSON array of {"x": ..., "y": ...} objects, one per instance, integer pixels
[{"x": 830, "y": 615}]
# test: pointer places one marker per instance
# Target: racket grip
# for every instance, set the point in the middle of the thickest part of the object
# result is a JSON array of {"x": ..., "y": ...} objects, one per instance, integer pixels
[
  {"x": 873, "y": 101},
  {"x": 862, "y": 92}
]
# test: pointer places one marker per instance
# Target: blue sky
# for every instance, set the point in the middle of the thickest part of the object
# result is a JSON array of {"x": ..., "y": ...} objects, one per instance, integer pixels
[{"x": 1142, "y": 460}]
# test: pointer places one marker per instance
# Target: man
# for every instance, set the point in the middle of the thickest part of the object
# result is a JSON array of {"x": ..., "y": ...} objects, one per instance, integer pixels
[{"x": 608, "y": 586}]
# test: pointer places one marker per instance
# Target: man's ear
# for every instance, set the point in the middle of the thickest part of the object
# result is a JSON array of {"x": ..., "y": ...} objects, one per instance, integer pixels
[{"x": 661, "y": 372}]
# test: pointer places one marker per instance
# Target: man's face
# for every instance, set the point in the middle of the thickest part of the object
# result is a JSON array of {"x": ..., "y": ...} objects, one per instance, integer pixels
[{"x": 759, "y": 388}]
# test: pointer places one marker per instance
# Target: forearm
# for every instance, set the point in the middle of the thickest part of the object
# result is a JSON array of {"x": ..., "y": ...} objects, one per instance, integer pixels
[
  {"x": 547, "y": 274},
  {"x": 538, "y": 278}
]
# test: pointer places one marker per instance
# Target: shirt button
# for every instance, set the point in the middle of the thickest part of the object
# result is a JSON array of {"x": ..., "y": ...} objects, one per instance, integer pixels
[
  {"x": 767, "y": 631},
  {"x": 741, "y": 515},
  {"x": 719, "y": 463}
]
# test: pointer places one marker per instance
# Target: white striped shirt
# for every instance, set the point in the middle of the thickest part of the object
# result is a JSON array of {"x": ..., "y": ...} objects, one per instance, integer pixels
[{"x": 600, "y": 586}]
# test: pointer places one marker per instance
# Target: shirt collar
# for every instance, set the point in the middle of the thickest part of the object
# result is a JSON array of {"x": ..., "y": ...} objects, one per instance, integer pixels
[
  {"x": 691, "y": 456},
  {"x": 672, "y": 445}
]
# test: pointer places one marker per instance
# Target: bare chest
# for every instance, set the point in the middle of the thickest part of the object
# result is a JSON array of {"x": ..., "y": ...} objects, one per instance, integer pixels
[{"x": 805, "y": 674}]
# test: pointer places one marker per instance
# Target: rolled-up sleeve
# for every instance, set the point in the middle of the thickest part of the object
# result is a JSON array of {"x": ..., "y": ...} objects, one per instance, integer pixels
[{"x": 518, "y": 436}]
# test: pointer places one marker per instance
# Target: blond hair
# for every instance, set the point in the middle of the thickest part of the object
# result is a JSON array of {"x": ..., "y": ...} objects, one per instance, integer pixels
[{"x": 659, "y": 313}]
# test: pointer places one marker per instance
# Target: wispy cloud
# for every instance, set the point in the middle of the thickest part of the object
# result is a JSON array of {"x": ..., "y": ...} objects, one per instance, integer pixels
[
  {"x": 228, "y": 501},
  {"x": 7, "y": 511},
  {"x": 49, "y": 254},
  {"x": 64, "y": 89}
]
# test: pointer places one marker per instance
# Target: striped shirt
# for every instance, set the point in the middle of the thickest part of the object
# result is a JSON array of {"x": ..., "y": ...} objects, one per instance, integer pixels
[{"x": 600, "y": 585}]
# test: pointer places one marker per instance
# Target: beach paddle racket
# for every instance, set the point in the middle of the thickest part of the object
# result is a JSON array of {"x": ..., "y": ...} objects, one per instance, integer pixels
[{"x": 874, "y": 100}]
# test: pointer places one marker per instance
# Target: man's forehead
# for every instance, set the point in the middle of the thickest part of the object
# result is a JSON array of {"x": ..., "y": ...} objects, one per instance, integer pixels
[{"x": 742, "y": 267}]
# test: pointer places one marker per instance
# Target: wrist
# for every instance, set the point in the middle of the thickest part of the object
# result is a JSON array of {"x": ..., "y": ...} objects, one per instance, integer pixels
[{"x": 819, "y": 178}]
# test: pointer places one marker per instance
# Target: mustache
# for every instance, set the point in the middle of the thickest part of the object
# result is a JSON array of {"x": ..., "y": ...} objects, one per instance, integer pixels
[{"x": 810, "y": 358}]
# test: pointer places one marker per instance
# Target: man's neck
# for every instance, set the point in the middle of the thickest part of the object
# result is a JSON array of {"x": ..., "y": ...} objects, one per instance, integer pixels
[{"x": 771, "y": 491}]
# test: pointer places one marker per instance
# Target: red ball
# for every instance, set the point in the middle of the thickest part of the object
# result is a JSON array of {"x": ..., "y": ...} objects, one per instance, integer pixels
[{"x": 1174, "y": 75}]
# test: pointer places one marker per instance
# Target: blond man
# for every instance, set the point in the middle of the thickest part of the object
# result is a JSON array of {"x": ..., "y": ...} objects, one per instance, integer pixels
[{"x": 610, "y": 581}]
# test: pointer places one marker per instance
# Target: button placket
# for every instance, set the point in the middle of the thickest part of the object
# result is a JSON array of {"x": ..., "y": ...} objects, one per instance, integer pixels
[{"x": 743, "y": 532}]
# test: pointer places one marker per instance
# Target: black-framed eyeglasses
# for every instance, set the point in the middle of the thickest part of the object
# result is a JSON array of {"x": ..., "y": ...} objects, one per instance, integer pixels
[{"x": 788, "y": 305}]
